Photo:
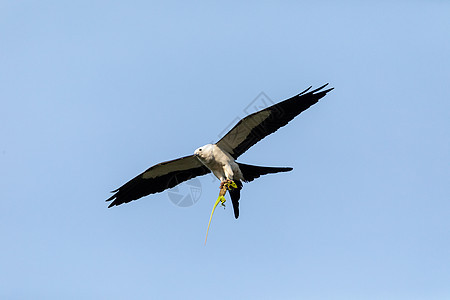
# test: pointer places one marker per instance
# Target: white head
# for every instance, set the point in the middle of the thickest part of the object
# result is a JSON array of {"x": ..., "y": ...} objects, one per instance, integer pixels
[{"x": 204, "y": 153}]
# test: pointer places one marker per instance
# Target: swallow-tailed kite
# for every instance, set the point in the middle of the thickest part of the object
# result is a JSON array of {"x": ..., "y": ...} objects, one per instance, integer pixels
[{"x": 220, "y": 158}]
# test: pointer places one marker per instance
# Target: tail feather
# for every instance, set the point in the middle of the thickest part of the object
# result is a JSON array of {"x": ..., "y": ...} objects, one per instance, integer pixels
[
  {"x": 235, "y": 195},
  {"x": 252, "y": 172}
]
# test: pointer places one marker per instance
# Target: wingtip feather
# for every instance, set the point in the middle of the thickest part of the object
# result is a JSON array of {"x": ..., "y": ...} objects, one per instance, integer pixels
[
  {"x": 110, "y": 198},
  {"x": 316, "y": 90},
  {"x": 305, "y": 91},
  {"x": 320, "y": 88}
]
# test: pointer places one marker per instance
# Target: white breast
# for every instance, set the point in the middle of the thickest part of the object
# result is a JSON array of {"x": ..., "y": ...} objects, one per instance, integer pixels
[{"x": 219, "y": 162}]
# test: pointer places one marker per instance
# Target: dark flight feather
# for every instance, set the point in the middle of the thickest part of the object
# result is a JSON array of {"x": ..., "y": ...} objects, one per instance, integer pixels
[
  {"x": 258, "y": 125},
  {"x": 158, "y": 178}
]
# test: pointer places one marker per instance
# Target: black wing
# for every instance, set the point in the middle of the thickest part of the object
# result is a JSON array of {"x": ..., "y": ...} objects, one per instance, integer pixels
[
  {"x": 158, "y": 178},
  {"x": 258, "y": 125}
]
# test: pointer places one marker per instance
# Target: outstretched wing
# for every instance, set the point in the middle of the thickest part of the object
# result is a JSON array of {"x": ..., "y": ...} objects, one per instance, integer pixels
[
  {"x": 158, "y": 178},
  {"x": 258, "y": 125}
]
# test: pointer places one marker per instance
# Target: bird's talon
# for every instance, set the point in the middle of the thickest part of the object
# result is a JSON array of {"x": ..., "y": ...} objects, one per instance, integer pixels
[{"x": 230, "y": 184}]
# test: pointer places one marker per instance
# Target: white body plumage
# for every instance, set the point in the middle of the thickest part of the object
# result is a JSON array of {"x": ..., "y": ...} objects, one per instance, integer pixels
[{"x": 219, "y": 162}]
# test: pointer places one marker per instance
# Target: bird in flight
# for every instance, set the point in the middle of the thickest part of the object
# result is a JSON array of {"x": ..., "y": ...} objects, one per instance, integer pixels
[{"x": 220, "y": 158}]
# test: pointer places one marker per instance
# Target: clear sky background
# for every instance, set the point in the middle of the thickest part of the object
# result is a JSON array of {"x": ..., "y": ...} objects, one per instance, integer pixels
[{"x": 94, "y": 92}]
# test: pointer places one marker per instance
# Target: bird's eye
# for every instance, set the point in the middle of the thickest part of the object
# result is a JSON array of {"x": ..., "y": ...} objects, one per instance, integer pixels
[{"x": 199, "y": 149}]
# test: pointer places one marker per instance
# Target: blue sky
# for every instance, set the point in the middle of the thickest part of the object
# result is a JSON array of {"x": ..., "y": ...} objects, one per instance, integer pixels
[{"x": 94, "y": 92}]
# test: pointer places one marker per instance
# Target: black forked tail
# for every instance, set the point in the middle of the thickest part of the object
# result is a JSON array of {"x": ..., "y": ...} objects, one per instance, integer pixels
[
  {"x": 235, "y": 194},
  {"x": 250, "y": 173}
]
